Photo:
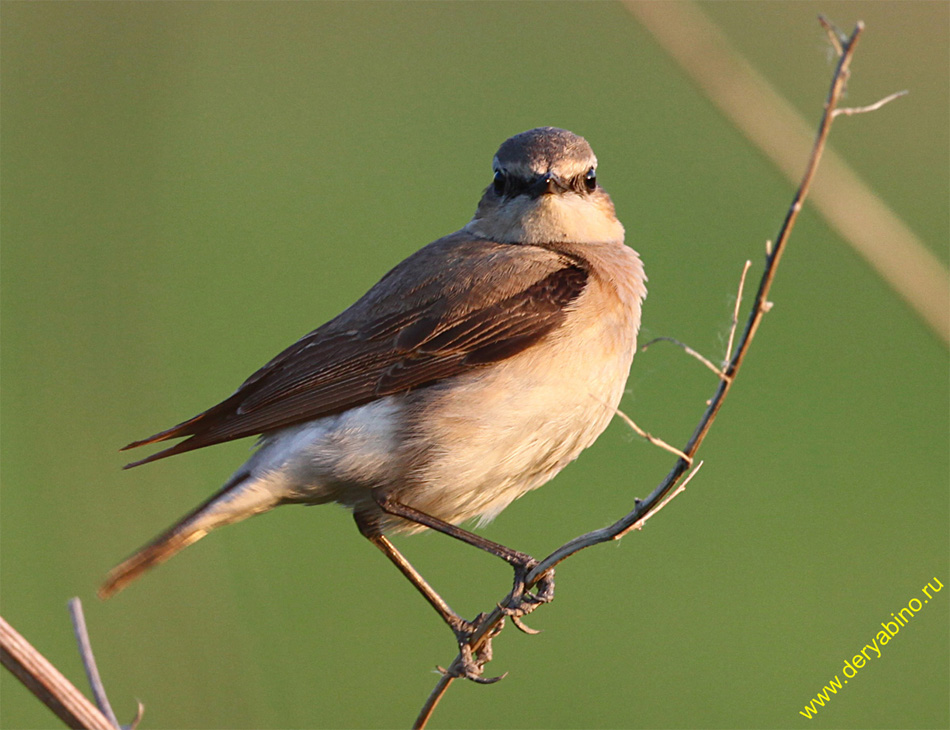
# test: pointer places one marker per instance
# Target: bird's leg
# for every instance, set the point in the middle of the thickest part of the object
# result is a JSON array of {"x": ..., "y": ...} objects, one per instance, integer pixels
[
  {"x": 523, "y": 601},
  {"x": 472, "y": 666}
]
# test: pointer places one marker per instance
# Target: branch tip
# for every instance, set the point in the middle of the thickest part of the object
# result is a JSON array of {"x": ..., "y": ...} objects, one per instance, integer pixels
[
  {"x": 835, "y": 36},
  {"x": 139, "y": 714}
]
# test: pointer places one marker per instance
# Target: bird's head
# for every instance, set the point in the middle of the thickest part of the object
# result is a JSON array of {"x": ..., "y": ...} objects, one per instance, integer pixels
[{"x": 545, "y": 190}]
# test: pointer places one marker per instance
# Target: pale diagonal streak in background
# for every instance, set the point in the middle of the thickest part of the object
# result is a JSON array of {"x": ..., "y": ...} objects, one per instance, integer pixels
[{"x": 775, "y": 127}]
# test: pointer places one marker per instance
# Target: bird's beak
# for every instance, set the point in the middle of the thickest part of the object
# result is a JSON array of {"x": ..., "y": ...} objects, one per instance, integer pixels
[{"x": 547, "y": 184}]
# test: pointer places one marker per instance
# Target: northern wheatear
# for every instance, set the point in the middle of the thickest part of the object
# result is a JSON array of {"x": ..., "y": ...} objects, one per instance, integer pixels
[{"x": 473, "y": 372}]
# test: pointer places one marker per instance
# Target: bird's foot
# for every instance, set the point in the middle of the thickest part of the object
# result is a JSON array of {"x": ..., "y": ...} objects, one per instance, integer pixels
[
  {"x": 471, "y": 662},
  {"x": 523, "y": 601}
]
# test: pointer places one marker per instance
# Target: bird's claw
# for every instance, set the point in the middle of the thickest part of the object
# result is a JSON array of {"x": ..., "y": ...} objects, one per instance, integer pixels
[
  {"x": 522, "y": 602},
  {"x": 471, "y": 663},
  {"x": 522, "y": 626}
]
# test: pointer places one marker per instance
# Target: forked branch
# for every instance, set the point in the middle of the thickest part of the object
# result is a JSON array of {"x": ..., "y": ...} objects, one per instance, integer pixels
[
  {"x": 845, "y": 46},
  {"x": 53, "y": 689},
  {"x": 47, "y": 683}
]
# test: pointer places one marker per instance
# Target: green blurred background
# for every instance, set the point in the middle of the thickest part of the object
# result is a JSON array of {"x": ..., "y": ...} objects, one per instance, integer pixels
[{"x": 189, "y": 187}]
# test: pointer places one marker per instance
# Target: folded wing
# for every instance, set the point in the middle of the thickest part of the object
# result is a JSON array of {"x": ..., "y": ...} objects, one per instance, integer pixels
[{"x": 407, "y": 332}]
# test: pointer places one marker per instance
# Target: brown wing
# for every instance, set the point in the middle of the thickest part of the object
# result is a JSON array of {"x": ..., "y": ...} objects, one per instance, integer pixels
[{"x": 476, "y": 303}]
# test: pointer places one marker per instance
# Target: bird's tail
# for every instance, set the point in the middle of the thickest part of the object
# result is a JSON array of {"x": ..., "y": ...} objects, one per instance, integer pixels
[{"x": 241, "y": 497}]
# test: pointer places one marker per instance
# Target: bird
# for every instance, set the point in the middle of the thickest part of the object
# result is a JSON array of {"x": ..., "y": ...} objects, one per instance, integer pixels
[{"x": 470, "y": 374}]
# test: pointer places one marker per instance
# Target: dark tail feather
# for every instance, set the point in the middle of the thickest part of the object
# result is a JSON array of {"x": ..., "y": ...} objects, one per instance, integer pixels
[
  {"x": 186, "y": 428},
  {"x": 180, "y": 448}
]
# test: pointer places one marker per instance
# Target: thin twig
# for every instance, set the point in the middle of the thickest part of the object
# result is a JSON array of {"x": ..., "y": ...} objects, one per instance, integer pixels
[
  {"x": 89, "y": 661},
  {"x": 650, "y": 437},
  {"x": 644, "y": 508},
  {"x": 47, "y": 683},
  {"x": 852, "y": 110},
  {"x": 835, "y": 36},
  {"x": 666, "y": 500},
  {"x": 689, "y": 351},
  {"x": 735, "y": 311}
]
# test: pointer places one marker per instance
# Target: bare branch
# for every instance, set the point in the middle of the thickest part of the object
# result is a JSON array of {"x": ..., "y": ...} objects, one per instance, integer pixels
[
  {"x": 666, "y": 500},
  {"x": 445, "y": 681},
  {"x": 46, "y": 682},
  {"x": 664, "y": 492},
  {"x": 89, "y": 660}
]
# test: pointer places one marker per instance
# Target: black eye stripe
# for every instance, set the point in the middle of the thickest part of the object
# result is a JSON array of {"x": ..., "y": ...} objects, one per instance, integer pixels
[
  {"x": 508, "y": 185},
  {"x": 511, "y": 186},
  {"x": 517, "y": 186}
]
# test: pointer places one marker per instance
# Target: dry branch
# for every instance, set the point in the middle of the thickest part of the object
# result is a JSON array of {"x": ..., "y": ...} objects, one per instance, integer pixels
[
  {"x": 47, "y": 683},
  {"x": 52, "y": 688},
  {"x": 642, "y": 510}
]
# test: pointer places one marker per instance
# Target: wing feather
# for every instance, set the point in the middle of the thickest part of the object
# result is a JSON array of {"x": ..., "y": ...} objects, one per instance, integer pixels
[{"x": 482, "y": 302}]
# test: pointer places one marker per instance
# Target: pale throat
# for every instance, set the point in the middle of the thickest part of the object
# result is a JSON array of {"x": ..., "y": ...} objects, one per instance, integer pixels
[{"x": 566, "y": 217}]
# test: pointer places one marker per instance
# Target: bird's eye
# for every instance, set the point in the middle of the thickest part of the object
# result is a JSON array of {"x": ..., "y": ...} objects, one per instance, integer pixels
[
  {"x": 590, "y": 180},
  {"x": 499, "y": 182}
]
